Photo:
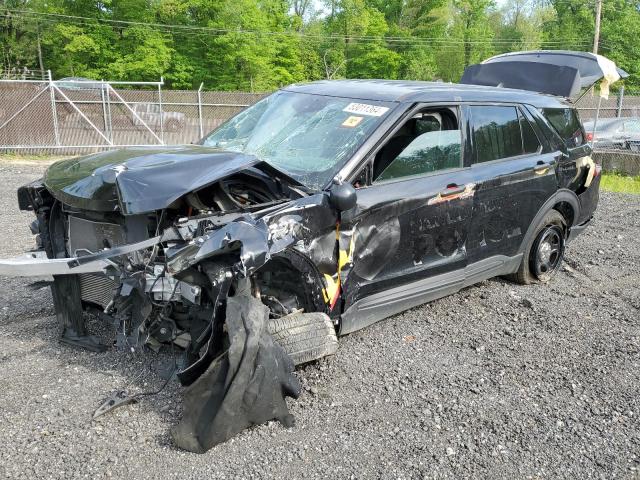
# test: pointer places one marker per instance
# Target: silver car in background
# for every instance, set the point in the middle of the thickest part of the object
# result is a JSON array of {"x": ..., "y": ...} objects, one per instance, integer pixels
[{"x": 614, "y": 133}]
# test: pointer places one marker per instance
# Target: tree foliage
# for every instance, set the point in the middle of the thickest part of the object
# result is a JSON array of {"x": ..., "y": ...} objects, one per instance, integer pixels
[{"x": 261, "y": 45}]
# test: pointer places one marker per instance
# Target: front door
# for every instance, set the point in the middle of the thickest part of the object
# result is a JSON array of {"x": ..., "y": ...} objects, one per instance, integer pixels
[{"x": 406, "y": 238}]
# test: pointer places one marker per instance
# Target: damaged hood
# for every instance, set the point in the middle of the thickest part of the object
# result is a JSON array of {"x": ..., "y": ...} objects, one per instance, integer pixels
[{"x": 142, "y": 179}]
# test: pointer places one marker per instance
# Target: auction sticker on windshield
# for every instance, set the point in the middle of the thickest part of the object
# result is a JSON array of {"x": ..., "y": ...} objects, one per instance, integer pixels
[
  {"x": 366, "y": 109},
  {"x": 352, "y": 121}
]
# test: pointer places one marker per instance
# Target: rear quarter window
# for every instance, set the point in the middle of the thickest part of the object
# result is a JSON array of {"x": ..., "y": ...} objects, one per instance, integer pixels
[{"x": 567, "y": 123}]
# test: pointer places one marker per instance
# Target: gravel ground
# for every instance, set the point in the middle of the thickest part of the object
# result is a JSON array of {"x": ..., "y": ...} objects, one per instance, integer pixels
[{"x": 497, "y": 381}]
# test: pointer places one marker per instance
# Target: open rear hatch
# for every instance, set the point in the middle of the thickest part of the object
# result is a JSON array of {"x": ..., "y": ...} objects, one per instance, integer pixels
[{"x": 562, "y": 73}]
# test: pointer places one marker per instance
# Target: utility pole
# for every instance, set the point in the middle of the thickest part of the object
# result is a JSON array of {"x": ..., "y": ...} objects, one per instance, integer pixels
[
  {"x": 596, "y": 33},
  {"x": 40, "y": 62}
]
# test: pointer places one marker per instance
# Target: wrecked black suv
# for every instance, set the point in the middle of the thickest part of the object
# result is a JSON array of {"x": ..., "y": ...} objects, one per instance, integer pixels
[{"x": 317, "y": 211}]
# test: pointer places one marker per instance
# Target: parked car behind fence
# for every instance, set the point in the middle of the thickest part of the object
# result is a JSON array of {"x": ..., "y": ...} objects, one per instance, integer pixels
[{"x": 614, "y": 133}]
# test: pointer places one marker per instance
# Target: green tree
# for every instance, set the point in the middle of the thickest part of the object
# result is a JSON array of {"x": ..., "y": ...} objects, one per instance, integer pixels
[
  {"x": 260, "y": 46},
  {"x": 471, "y": 25},
  {"x": 367, "y": 57}
]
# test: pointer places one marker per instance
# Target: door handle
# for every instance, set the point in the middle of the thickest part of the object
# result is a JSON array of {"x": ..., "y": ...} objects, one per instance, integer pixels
[{"x": 452, "y": 189}]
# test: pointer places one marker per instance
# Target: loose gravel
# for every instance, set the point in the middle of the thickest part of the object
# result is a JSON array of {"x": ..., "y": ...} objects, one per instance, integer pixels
[{"x": 497, "y": 381}]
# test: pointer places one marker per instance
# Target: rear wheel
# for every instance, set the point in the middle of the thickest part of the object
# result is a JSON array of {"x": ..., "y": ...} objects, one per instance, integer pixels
[
  {"x": 544, "y": 252},
  {"x": 305, "y": 336}
]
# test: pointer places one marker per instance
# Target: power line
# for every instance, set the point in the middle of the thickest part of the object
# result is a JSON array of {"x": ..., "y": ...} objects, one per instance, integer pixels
[{"x": 199, "y": 30}]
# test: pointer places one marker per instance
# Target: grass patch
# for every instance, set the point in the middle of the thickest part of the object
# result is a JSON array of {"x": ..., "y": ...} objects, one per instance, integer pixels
[
  {"x": 614, "y": 182},
  {"x": 30, "y": 159}
]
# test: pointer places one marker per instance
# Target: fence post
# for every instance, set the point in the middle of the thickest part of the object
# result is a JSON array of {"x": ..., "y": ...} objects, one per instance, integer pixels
[
  {"x": 54, "y": 111},
  {"x": 620, "y": 98},
  {"x": 595, "y": 122},
  {"x": 161, "y": 112},
  {"x": 200, "y": 109},
  {"x": 109, "y": 117},
  {"x": 103, "y": 96}
]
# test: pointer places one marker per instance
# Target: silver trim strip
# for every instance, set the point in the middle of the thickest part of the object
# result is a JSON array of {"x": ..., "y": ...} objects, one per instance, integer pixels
[{"x": 37, "y": 264}]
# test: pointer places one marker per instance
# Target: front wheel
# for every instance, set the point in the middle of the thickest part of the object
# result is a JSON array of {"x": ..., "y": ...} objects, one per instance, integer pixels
[{"x": 544, "y": 252}]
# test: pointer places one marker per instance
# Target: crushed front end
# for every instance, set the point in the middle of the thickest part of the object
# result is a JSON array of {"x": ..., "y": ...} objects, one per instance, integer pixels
[{"x": 209, "y": 271}]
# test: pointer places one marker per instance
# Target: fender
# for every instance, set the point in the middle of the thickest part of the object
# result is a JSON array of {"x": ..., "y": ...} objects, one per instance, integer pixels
[{"x": 562, "y": 195}]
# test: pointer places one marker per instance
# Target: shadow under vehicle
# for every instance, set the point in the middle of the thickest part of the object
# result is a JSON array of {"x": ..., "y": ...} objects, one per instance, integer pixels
[{"x": 319, "y": 210}]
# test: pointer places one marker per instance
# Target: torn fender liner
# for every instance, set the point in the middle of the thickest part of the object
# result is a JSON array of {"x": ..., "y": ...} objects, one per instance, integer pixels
[{"x": 244, "y": 387}]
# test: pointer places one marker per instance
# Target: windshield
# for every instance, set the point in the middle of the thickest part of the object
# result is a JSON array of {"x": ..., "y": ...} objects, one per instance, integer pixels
[{"x": 309, "y": 137}]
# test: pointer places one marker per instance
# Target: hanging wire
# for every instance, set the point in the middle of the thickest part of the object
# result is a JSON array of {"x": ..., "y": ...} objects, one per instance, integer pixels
[{"x": 53, "y": 18}]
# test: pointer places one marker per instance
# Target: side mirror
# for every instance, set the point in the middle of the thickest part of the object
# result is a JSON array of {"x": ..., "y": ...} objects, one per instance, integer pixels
[{"x": 343, "y": 197}]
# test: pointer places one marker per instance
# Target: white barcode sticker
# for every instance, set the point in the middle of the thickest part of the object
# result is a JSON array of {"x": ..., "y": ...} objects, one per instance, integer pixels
[{"x": 366, "y": 109}]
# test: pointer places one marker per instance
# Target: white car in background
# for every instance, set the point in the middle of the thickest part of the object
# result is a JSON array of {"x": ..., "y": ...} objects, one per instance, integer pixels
[{"x": 153, "y": 116}]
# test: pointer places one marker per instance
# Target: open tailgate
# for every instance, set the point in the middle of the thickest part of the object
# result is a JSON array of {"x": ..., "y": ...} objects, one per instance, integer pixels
[{"x": 562, "y": 73}]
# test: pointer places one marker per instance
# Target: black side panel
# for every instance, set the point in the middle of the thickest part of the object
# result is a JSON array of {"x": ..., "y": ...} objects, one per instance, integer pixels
[
  {"x": 66, "y": 299},
  {"x": 589, "y": 200},
  {"x": 245, "y": 385},
  {"x": 383, "y": 304}
]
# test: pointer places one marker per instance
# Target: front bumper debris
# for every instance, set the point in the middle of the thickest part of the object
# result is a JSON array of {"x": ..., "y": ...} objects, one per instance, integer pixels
[{"x": 36, "y": 264}]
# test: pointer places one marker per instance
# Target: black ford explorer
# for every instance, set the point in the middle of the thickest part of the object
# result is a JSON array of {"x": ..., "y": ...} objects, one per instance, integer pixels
[{"x": 317, "y": 211}]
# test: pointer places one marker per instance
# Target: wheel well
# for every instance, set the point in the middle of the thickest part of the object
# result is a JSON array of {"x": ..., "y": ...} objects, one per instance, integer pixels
[
  {"x": 566, "y": 210},
  {"x": 284, "y": 283}
]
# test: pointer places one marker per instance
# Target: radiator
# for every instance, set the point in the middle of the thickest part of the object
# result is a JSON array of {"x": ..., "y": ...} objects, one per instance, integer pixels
[{"x": 97, "y": 288}]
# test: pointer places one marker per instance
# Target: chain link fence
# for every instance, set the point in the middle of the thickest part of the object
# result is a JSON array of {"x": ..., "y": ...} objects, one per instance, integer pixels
[
  {"x": 613, "y": 127},
  {"x": 71, "y": 116}
]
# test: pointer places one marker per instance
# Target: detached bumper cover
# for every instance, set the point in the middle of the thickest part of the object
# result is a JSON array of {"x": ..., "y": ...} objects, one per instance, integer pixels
[{"x": 37, "y": 264}]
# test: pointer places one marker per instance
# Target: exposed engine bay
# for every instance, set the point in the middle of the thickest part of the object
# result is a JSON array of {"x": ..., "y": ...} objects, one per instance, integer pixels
[{"x": 176, "y": 307}]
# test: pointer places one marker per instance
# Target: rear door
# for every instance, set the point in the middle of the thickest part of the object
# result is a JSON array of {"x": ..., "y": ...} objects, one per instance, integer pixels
[{"x": 514, "y": 176}]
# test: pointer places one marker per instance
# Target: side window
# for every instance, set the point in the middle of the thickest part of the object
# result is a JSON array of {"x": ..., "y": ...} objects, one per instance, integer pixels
[
  {"x": 496, "y": 132},
  {"x": 567, "y": 124},
  {"x": 428, "y": 142},
  {"x": 530, "y": 142}
]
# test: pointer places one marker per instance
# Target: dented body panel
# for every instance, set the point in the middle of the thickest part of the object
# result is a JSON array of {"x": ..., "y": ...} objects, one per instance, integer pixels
[{"x": 129, "y": 180}]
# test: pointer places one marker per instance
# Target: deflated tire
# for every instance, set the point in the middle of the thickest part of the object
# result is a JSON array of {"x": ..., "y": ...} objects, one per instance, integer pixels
[{"x": 305, "y": 336}]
